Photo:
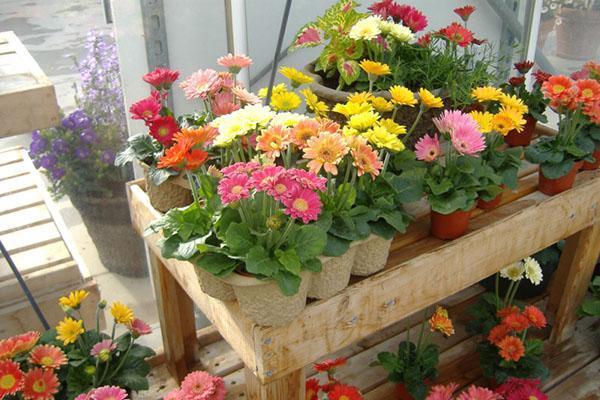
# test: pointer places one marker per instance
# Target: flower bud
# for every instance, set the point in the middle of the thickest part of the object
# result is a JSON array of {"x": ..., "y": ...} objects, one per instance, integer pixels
[
  {"x": 102, "y": 305},
  {"x": 90, "y": 370}
]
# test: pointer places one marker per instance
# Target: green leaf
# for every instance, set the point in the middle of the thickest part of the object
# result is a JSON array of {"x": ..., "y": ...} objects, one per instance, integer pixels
[
  {"x": 215, "y": 263},
  {"x": 290, "y": 260},
  {"x": 349, "y": 71},
  {"x": 591, "y": 307},
  {"x": 397, "y": 219},
  {"x": 347, "y": 193},
  {"x": 335, "y": 246},
  {"x": 141, "y": 352},
  {"x": 131, "y": 380},
  {"x": 557, "y": 170},
  {"x": 382, "y": 229},
  {"x": 439, "y": 188},
  {"x": 309, "y": 242},
  {"x": 314, "y": 265},
  {"x": 388, "y": 361},
  {"x": 160, "y": 175},
  {"x": 457, "y": 200},
  {"x": 259, "y": 262},
  {"x": 287, "y": 282},
  {"x": 239, "y": 238}
]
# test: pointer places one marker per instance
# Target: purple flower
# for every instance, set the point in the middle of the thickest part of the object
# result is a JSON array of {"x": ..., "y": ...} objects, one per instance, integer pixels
[
  {"x": 38, "y": 146},
  {"x": 60, "y": 146},
  {"x": 48, "y": 161},
  {"x": 57, "y": 173},
  {"x": 108, "y": 156},
  {"x": 35, "y": 135},
  {"x": 68, "y": 123},
  {"x": 89, "y": 136},
  {"x": 82, "y": 152}
]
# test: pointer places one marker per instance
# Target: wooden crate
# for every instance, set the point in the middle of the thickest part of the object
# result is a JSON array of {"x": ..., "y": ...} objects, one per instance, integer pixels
[
  {"x": 27, "y": 97},
  {"x": 35, "y": 235},
  {"x": 421, "y": 271}
]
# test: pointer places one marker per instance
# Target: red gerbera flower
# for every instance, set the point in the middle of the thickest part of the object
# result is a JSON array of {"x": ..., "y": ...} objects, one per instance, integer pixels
[
  {"x": 425, "y": 40},
  {"x": 464, "y": 12},
  {"x": 524, "y": 66},
  {"x": 506, "y": 311},
  {"x": 11, "y": 378},
  {"x": 47, "y": 356},
  {"x": 458, "y": 34},
  {"x": 517, "y": 80},
  {"x": 329, "y": 365},
  {"x": 40, "y": 384},
  {"x": 535, "y": 316},
  {"x": 516, "y": 322},
  {"x": 381, "y": 8},
  {"x": 7, "y": 348},
  {"x": 147, "y": 109},
  {"x": 163, "y": 129},
  {"x": 312, "y": 389},
  {"x": 511, "y": 348},
  {"x": 541, "y": 76},
  {"x": 344, "y": 392},
  {"x": 161, "y": 78},
  {"x": 409, "y": 16},
  {"x": 498, "y": 333}
]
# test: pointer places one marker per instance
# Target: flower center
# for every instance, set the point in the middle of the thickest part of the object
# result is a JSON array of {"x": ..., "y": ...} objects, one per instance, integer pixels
[
  {"x": 198, "y": 388},
  {"x": 587, "y": 92},
  {"x": 163, "y": 131},
  {"x": 147, "y": 113},
  {"x": 300, "y": 204},
  {"x": 7, "y": 382},
  {"x": 46, "y": 361},
  {"x": 344, "y": 397},
  {"x": 558, "y": 88},
  {"x": 237, "y": 189},
  {"x": 39, "y": 386},
  {"x": 280, "y": 188}
]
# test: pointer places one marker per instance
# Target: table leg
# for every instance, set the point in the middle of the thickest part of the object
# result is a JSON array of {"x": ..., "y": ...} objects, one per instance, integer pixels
[
  {"x": 572, "y": 279},
  {"x": 289, "y": 387},
  {"x": 177, "y": 321}
]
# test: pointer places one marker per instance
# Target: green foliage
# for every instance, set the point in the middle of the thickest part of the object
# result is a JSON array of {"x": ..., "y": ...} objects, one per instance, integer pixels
[
  {"x": 529, "y": 366},
  {"x": 557, "y": 155},
  {"x": 145, "y": 149},
  {"x": 591, "y": 306},
  {"x": 534, "y": 99}
]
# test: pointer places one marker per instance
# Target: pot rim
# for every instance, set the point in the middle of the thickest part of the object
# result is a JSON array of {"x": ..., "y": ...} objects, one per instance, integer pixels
[{"x": 236, "y": 279}]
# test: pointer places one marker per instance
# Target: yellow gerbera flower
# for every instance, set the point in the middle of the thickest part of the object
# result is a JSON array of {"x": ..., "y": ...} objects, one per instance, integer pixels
[
  {"x": 484, "y": 120},
  {"x": 121, "y": 313},
  {"x": 360, "y": 97},
  {"x": 429, "y": 100},
  {"x": 281, "y": 87},
  {"x": 68, "y": 330},
  {"x": 381, "y": 138},
  {"x": 486, "y": 93},
  {"x": 375, "y": 68},
  {"x": 364, "y": 120},
  {"x": 513, "y": 102},
  {"x": 313, "y": 103},
  {"x": 403, "y": 96},
  {"x": 296, "y": 77},
  {"x": 507, "y": 120},
  {"x": 74, "y": 299},
  {"x": 392, "y": 127},
  {"x": 350, "y": 109},
  {"x": 285, "y": 101},
  {"x": 348, "y": 131},
  {"x": 382, "y": 105}
]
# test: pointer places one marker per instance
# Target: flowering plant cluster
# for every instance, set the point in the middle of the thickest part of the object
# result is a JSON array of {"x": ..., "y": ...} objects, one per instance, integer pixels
[
  {"x": 69, "y": 360},
  {"x": 199, "y": 385},
  {"x": 512, "y": 389},
  {"x": 413, "y": 364},
  {"x": 533, "y": 98},
  {"x": 333, "y": 389},
  {"x": 591, "y": 128}
]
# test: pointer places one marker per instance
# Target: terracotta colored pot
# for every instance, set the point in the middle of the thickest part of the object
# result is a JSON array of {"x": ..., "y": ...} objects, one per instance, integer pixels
[
  {"x": 576, "y": 34},
  {"x": 450, "y": 226},
  {"x": 555, "y": 186},
  {"x": 523, "y": 138},
  {"x": 403, "y": 394},
  {"x": 587, "y": 166},
  {"x": 488, "y": 205}
]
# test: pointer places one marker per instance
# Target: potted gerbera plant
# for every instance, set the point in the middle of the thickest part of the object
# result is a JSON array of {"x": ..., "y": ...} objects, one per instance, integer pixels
[
  {"x": 561, "y": 156},
  {"x": 334, "y": 389},
  {"x": 414, "y": 366},
  {"x": 591, "y": 130}
]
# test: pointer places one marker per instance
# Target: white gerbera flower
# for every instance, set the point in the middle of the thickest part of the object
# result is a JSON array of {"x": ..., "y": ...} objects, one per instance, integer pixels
[
  {"x": 514, "y": 271},
  {"x": 533, "y": 271},
  {"x": 401, "y": 33},
  {"x": 366, "y": 29},
  {"x": 287, "y": 119}
]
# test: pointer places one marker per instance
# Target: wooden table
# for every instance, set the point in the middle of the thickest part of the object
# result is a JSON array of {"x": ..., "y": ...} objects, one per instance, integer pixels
[{"x": 421, "y": 271}]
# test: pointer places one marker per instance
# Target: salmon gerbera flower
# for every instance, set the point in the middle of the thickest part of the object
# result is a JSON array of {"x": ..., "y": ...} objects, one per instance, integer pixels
[
  {"x": 48, "y": 356},
  {"x": 558, "y": 89},
  {"x": 440, "y": 322},
  {"x": 25, "y": 341},
  {"x": 511, "y": 348},
  {"x": 303, "y": 131},
  {"x": 40, "y": 384},
  {"x": 109, "y": 393},
  {"x": 588, "y": 91},
  {"x": 302, "y": 204},
  {"x": 364, "y": 158},
  {"x": 200, "y": 84},
  {"x": 273, "y": 141},
  {"x": 428, "y": 148},
  {"x": 11, "y": 378},
  {"x": 202, "y": 385},
  {"x": 325, "y": 151},
  {"x": 161, "y": 78},
  {"x": 234, "y": 62}
]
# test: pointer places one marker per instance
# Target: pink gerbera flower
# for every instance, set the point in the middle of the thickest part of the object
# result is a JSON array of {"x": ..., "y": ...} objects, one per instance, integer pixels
[
  {"x": 450, "y": 119},
  {"x": 234, "y": 62},
  {"x": 138, "y": 328},
  {"x": 442, "y": 392},
  {"x": 467, "y": 139},
  {"x": 103, "y": 349},
  {"x": 428, "y": 148},
  {"x": 200, "y": 84},
  {"x": 303, "y": 204},
  {"x": 147, "y": 109},
  {"x": 225, "y": 81},
  {"x": 240, "y": 168},
  {"x": 244, "y": 96},
  {"x": 234, "y": 188},
  {"x": 478, "y": 393},
  {"x": 161, "y": 78},
  {"x": 200, "y": 385},
  {"x": 109, "y": 393},
  {"x": 222, "y": 104},
  {"x": 307, "y": 179},
  {"x": 263, "y": 179}
]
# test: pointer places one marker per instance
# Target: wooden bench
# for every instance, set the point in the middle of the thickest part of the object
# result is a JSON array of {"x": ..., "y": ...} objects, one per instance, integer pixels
[{"x": 36, "y": 237}]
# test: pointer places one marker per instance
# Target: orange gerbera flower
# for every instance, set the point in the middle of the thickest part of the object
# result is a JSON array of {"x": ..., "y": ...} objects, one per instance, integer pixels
[
  {"x": 11, "y": 378},
  {"x": 498, "y": 333},
  {"x": 47, "y": 356},
  {"x": 25, "y": 341},
  {"x": 328, "y": 125},
  {"x": 535, "y": 316},
  {"x": 440, "y": 322},
  {"x": 511, "y": 348},
  {"x": 325, "y": 151},
  {"x": 592, "y": 111},
  {"x": 516, "y": 322},
  {"x": 273, "y": 141},
  {"x": 40, "y": 384},
  {"x": 303, "y": 131},
  {"x": 364, "y": 158},
  {"x": 506, "y": 311},
  {"x": 588, "y": 91},
  {"x": 183, "y": 155},
  {"x": 198, "y": 136},
  {"x": 558, "y": 89}
]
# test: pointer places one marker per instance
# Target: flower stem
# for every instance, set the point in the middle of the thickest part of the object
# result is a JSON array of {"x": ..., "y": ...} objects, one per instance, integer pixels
[
  {"x": 192, "y": 183},
  {"x": 422, "y": 109},
  {"x": 285, "y": 234}
]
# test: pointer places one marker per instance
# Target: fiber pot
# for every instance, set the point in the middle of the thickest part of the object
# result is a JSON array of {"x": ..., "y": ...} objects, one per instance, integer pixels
[
  {"x": 523, "y": 138},
  {"x": 371, "y": 255},
  {"x": 167, "y": 195},
  {"x": 587, "y": 166},
  {"x": 334, "y": 276},
  {"x": 263, "y": 302},
  {"x": 108, "y": 223},
  {"x": 449, "y": 226},
  {"x": 554, "y": 186},
  {"x": 213, "y": 286},
  {"x": 576, "y": 34}
]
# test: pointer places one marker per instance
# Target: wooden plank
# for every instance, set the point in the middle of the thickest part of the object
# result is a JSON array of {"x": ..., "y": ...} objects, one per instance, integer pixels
[
  {"x": 12, "y": 170},
  {"x": 28, "y": 238},
  {"x": 9, "y": 156},
  {"x": 20, "y": 200},
  {"x": 23, "y": 218},
  {"x": 289, "y": 387},
  {"x": 16, "y": 184},
  {"x": 36, "y": 259},
  {"x": 584, "y": 385}
]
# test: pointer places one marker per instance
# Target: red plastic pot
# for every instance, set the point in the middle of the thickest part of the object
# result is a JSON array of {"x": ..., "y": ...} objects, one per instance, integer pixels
[
  {"x": 488, "y": 205},
  {"x": 523, "y": 138},
  {"x": 555, "y": 186},
  {"x": 403, "y": 394},
  {"x": 449, "y": 226},
  {"x": 587, "y": 166}
]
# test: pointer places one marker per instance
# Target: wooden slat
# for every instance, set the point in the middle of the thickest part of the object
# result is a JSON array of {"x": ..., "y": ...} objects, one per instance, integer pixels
[
  {"x": 20, "y": 200},
  {"x": 584, "y": 385},
  {"x": 23, "y": 218},
  {"x": 16, "y": 184},
  {"x": 12, "y": 170},
  {"x": 37, "y": 259},
  {"x": 28, "y": 238},
  {"x": 10, "y": 156}
]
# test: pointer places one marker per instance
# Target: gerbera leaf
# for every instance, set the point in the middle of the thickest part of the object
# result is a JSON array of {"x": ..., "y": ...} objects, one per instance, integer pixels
[
  {"x": 313, "y": 265},
  {"x": 336, "y": 246},
  {"x": 239, "y": 238},
  {"x": 290, "y": 260},
  {"x": 259, "y": 262},
  {"x": 287, "y": 282},
  {"x": 309, "y": 242}
]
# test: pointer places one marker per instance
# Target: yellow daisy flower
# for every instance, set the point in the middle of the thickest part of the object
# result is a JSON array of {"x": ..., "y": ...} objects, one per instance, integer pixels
[
  {"x": 350, "y": 109},
  {"x": 429, "y": 100},
  {"x": 403, "y": 96},
  {"x": 360, "y": 97},
  {"x": 121, "y": 313},
  {"x": 513, "y": 102},
  {"x": 382, "y": 105},
  {"x": 486, "y": 93},
  {"x": 364, "y": 120},
  {"x": 281, "y": 87},
  {"x": 375, "y": 68},
  {"x": 392, "y": 127},
  {"x": 507, "y": 120},
  {"x": 68, "y": 330},
  {"x": 381, "y": 138},
  {"x": 285, "y": 101},
  {"x": 296, "y": 77},
  {"x": 313, "y": 103},
  {"x": 484, "y": 120},
  {"x": 74, "y": 299}
]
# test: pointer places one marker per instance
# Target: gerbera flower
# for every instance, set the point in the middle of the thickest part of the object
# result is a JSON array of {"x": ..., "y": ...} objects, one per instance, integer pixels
[
  {"x": 425, "y": 40},
  {"x": 508, "y": 119},
  {"x": 40, "y": 384},
  {"x": 175, "y": 394},
  {"x": 68, "y": 330},
  {"x": 349, "y": 109},
  {"x": 183, "y": 155},
  {"x": 484, "y": 120},
  {"x": 541, "y": 76},
  {"x": 303, "y": 131},
  {"x": 533, "y": 271},
  {"x": 147, "y": 109},
  {"x": 382, "y": 105},
  {"x": 280, "y": 87},
  {"x": 360, "y": 97},
  {"x": 138, "y": 328},
  {"x": 467, "y": 139},
  {"x": 330, "y": 365},
  {"x": 558, "y": 89},
  {"x": 440, "y": 322},
  {"x": 307, "y": 180},
  {"x": 198, "y": 136},
  {"x": 535, "y": 316},
  {"x": 364, "y": 120},
  {"x": 442, "y": 392},
  {"x": 222, "y": 104},
  {"x": 240, "y": 168},
  {"x": 313, "y": 104},
  {"x": 464, "y": 12},
  {"x": 203, "y": 386},
  {"x": 103, "y": 349},
  {"x": 592, "y": 110},
  {"x": 517, "y": 81},
  {"x": 478, "y": 393},
  {"x": 428, "y": 148},
  {"x": 163, "y": 129},
  {"x": 456, "y": 33},
  {"x": 47, "y": 356},
  {"x": 344, "y": 392},
  {"x": 303, "y": 204},
  {"x": 11, "y": 378},
  {"x": 429, "y": 100},
  {"x": 402, "y": 96},
  {"x": 244, "y": 96},
  {"x": 325, "y": 151},
  {"x": 514, "y": 271},
  {"x": 273, "y": 141},
  {"x": 285, "y": 101},
  {"x": 513, "y": 102},
  {"x": 161, "y": 78},
  {"x": 121, "y": 313},
  {"x": 400, "y": 32},
  {"x": 498, "y": 333},
  {"x": 524, "y": 66},
  {"x": 109, "y": 393},
  {"x": 200, "y": 84},
  {"x": 234, "y": 62},
  {"x": 392, "y": 127},
  {"x": 521, "y": 389},
  {"x": 24, "y": 342},
  {"x": 364, "y": 158},
  {"x": 366, "y": 28},
  {"x": 312, "y": 389},
  {"x": 410, "y": 16},
  {"x": 382, "y": 138},
  {"x": 516, "y": 322},
  {"x": 296, "y": 77},
  {"x": 511, "y": 348},
  {"x": 74, "y": 299},
  {"x": 486, "y": 93},
  {"x": 588, "y": 91},
  {"x": 7, "y": 348},
  {"x": 233, "y": 188},
  {"x": 526, "y": 393},
  {"x": 506, "y": 311},
  {"x": 375, "y": 68}
]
